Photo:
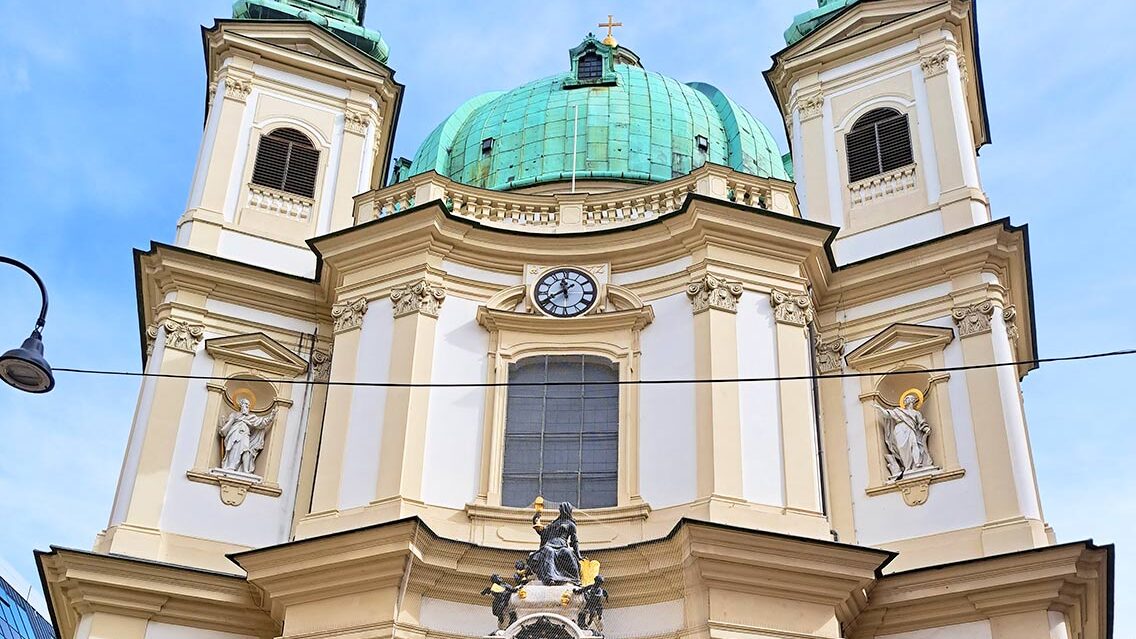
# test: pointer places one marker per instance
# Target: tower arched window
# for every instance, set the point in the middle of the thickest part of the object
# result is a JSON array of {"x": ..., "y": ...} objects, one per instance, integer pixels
[
  {"x": 880, "y": 141},
  {"x": 562, "y": 440},
  {"x": 288, "y": 161}
]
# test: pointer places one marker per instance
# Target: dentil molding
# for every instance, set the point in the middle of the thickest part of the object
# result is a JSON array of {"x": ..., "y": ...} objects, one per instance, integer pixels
[
  {"x": 973, "y": 319},
  {"x": 419, "y": 297},
  {"x": 713, "y": 292},
  {"x": 348, "y": 315},
  {"x": 180, "y": 335},
  {"x": 792, "y": 308}
]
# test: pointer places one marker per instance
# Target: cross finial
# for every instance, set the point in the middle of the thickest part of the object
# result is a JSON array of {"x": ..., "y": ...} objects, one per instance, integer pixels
[{"x": 611, "y": 24}]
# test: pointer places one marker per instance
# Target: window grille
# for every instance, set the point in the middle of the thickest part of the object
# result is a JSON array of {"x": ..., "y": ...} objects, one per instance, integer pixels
[
  {"x": 879, "y": 142},
  {"x": 288, "y": 161},
  {"x": 562, "y": 441},
  {"x": 590, "y": 68}
]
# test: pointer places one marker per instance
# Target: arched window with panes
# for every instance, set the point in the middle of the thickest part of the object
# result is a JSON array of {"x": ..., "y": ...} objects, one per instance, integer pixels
[
  {"x": 562, "y": 431},
  {"x": 879, "y": 142},
  {"x": 286, "y": 160}
]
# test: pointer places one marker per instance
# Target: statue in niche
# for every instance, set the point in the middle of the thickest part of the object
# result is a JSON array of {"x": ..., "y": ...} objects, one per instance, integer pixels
[
  {"x": 557, "y": 562},
  {"x": 242, "y": 437},
  {"x": 905, "y": 435}
]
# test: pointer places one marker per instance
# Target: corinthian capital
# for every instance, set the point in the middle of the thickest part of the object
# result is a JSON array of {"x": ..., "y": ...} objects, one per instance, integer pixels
[
  {"x": 349, "y": 314},
  {"x": 830, "y": 355},
  {"x": 237, "y": 89},
  {"x": 811, "y": 106},
  {"x": 935, "y": 63},
  {"x": 419, "y": 297},
  {"x": 356, "y": 122},
  {"x": 714, "y": 292},
  {"x": 180, "y": 335},
  {"x": 792, "y": 308},
  {"x": 973, "y": 319}
]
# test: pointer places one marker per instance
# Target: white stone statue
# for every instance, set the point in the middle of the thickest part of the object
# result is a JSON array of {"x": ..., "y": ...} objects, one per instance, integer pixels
[
  {"x": 242, "y": 438},
  {"x": 905, "y": 436}
]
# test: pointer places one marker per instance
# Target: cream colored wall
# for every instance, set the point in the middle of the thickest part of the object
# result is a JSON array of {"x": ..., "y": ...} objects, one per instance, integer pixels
[
  {"x": 157, "y": 630},
  {"x": 668, "y": 461},
  {"x": 451, "y": 468},
  {"x": 974, "y": 630}
]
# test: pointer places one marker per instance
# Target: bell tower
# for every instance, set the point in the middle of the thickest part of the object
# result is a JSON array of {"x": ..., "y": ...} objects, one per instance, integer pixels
[
  {"x": 300, "y": 111},
  {"x": 885, "y": 114}
]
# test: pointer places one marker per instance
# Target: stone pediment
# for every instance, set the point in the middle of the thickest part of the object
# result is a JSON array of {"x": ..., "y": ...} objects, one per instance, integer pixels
[
  {"x": 897, "y": 344},
  {"x": 258, "y": 352},
  {"x": 863, "y": 17},
  {"x": 306, "y": 38}
]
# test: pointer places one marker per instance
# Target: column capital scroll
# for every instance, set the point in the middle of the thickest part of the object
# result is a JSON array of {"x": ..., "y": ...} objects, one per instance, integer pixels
[
  {"x": 348, "y": 315},
  {"x": 792, "y": 308},
  {"x": 418, "y": 297},
  {"x": 714, "y": 292}
]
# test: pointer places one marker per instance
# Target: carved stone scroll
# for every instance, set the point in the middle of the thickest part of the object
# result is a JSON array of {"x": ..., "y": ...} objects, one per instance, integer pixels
[
  {"x": 973, "y": 319},
  {"x": 792, "y": 308},
  {"x": 180, "y": 335},
  {"x": 356, "y": 122},
  {"x": 321, "y": 366},
  {"x": 830, "y": 355},
  {"x": 935, "y": 63},
  {"x": 419, "y": 297},
  {"x": 1010, "y": 318},
  {"x": 713, "y": 292},
  {"x": 348, "y": 315},
  {"x": 811, "y": 106}
]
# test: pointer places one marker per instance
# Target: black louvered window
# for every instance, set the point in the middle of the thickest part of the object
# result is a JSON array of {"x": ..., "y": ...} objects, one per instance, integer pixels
[
  {"x": 591, "y": 67},
  {"x": 879, "y": 142},
  {"x": 287, "y": 160}
]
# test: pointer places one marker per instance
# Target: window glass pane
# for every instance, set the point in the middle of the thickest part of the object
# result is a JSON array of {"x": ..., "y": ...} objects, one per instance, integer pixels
[
  {"x": 564, "y": 415},
  {"x": 522, "y": 454},
  {"x": 561, "y": 454},
  {"x": 560, "y": 488},
  {"x": 525, "y": 414},
  {"x": 599, "y": 454},
  {"x": 597, "y": 491},
  {"x": 519, "y": 492}
]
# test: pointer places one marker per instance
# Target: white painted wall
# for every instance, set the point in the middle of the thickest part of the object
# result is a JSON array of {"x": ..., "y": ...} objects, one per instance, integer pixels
[
  {"x": 667, "y": 439},
  {"x": 913, "y": 230},
  {"x": 481, "y": 275},
  {"x": 661, "y": 270},
  {"x": 953, "y": 505},
  {"x": 257, "y": 316},
  {"x": 156, "y": 630},
  {"x": 760, "y": 406},
  {"x": 456, "y": 416},
  {"x": 129, "y": 473},
  {"x": 265, "y": 253},
  {"x": 1058, "y": 628},
  {"x": 974, "y": 630},
  {"x": 1021, "y": 460},
  {"x": 195, "y": 509},
  {"x": 360, "y": 479}
]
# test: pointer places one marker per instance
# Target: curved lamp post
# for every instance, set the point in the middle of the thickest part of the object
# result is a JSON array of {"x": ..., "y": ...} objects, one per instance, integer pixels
[{"x": 24, "y": 367}]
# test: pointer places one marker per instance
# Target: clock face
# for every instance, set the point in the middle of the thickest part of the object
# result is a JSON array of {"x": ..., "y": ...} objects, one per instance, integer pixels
[{"x": 565, "y": 292}]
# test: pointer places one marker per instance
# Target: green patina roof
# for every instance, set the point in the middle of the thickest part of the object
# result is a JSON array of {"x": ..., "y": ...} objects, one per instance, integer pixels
[
  {"x": 809, "y": 21},
  {"x": 634, "y": 124},
  {"x": 344, "y": 18}
]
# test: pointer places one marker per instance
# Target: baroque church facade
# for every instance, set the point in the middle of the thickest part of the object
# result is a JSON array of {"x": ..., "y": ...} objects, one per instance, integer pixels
[{"x": 766, "y": 394}]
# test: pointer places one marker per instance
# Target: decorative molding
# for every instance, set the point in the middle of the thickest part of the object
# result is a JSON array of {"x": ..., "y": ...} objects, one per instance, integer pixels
[
  {"x": 356, "y": 122},
  {"x": 321, "y": 366},
  {"x": 916, "y": 489},
  {"x": 792, "y": 308},
  {"x": 1010, "y": 317},
  {"x": 419, "y": 297},
  {"x": 257, "y": 352},
  {"x": 237, "y": 89},
  {"x": 811, "y": 106},
  {"x": 829, "y": 355},
  {"x": 180, "y": 335},
  {"x": 233, "y": 486},
  {"x": 935, "y": 64},
  {"x": 974, "y": 319},
  {"x": 964, "y": 70},
  {"x": 713, "y": 292},
  {"x": 151, "y": 337},
  {"x": 897, "y": 344},
  {"x": 883, "y": 186},
  {"x": 348, "y": 315}
]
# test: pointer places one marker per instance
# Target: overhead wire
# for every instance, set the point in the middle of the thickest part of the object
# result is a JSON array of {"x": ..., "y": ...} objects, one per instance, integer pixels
[{"x": 622, "y": 382}]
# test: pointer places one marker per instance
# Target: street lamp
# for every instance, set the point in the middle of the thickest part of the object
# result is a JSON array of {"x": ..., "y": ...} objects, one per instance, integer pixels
[{"x": 24, "y": 367}]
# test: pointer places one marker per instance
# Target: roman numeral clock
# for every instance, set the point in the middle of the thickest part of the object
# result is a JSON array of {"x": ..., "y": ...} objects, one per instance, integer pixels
[{"x": 566, "y": 291}]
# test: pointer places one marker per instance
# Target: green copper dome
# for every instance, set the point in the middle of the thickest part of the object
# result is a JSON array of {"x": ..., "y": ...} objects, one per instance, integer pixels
[{"x": 634, "y": 125}]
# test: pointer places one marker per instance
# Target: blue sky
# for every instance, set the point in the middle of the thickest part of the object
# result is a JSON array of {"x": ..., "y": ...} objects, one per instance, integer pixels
[{"x": 102, "y": 110}]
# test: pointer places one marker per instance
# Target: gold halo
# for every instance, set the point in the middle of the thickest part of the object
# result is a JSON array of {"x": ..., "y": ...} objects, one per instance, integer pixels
[
  {"x": 919, "y": 399},
  {"x": 243, "y": 393}
]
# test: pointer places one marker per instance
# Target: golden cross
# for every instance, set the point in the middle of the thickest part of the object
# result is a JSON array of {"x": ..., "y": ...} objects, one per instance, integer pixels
[{"x": 611, "y": 24}]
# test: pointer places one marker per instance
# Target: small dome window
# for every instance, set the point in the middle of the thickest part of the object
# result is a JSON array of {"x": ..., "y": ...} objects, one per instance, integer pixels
[
  {"x": 487, "y": 146},
  {"x": 287, "y": 160},
  {"x": 703, "y": 143},
  {"x": 879, "y": 142},
  {"x": 591, "y": 67}
]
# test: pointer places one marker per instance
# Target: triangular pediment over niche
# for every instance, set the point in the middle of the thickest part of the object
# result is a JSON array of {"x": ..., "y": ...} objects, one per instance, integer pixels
[
  {"x": 899, "y": 343},
  {"x": 258, "y": 352}
]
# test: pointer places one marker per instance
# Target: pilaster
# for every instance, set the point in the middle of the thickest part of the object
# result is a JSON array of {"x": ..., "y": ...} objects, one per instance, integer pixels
[
  {"x": 715, "y": 305},
  {"x": 809, "y": 136},
  {"x": 348, "y": 316},
  {"x": 416, "y": 307},
  {"x": 793, "y": 312},
  {"x": 353, "y": 177},
  {"x": 830, "y": 362}
]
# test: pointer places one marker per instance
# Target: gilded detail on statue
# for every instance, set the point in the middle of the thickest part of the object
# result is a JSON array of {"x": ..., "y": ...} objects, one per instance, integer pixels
[
  {"x": 180, "y": 335},
  {"x": 419, "y": 297},
  {"x": 792, "y": 308},
  {"x": 830, "y": 355},
  {"x": 973, "y": 319},
  {"x": 935, "y": 63},
  {"x": 348, "y": 315},
  {"x": 713, "y": 292}
]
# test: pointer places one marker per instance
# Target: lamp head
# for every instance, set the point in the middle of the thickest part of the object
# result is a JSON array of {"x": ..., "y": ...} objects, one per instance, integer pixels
[{"x": 25, "y": 368}]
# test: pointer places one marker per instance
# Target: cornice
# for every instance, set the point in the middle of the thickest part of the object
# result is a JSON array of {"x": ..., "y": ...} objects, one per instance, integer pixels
[
  {"x": 497, "y": 320},
  {"x": 79, "y": 583}
]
